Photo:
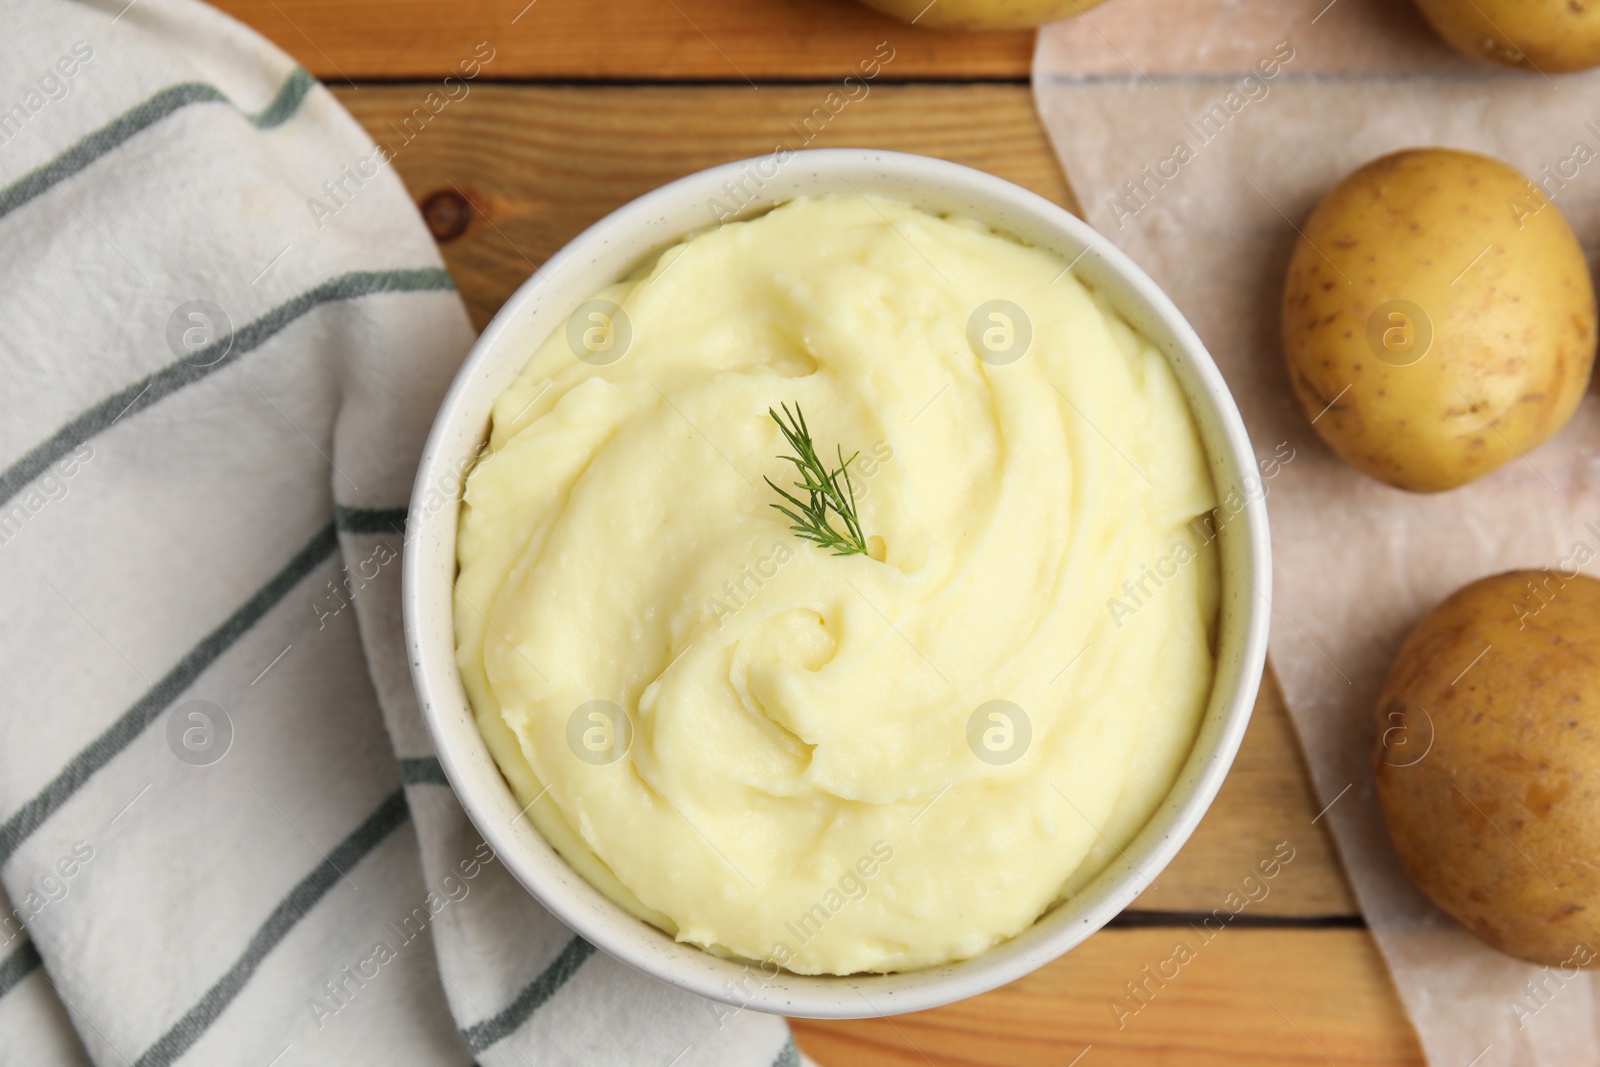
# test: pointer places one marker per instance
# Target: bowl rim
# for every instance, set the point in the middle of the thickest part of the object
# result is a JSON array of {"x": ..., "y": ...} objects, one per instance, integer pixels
[{"x": 605, "y": 924}]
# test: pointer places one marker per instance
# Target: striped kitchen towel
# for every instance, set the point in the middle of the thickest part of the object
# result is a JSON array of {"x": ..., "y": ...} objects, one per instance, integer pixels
[{"x": 212, "y": 398}]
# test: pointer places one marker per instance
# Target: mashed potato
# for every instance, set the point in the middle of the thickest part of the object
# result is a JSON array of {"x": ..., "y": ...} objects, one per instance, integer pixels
[{"x": 871, "y": 762}]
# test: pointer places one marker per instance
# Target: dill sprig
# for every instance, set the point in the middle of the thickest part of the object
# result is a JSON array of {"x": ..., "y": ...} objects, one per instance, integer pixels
[{"x": 823, "y": 490}]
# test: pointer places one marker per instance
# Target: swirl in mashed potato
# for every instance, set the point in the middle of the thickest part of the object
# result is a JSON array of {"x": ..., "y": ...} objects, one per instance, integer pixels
[{"x": 854, "y": 763}]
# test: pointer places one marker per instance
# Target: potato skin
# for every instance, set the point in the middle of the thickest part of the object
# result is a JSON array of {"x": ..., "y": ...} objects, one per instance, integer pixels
[
  {"x": 1489, "y": 263},
  {"x": 1553, "y": 36},
  {"x": 1499, "y": 821},
  {"x": 982, "y": 14}
]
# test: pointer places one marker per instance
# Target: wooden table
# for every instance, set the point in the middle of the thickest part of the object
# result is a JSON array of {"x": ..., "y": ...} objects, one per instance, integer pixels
[{"x": 586, "y": 104}]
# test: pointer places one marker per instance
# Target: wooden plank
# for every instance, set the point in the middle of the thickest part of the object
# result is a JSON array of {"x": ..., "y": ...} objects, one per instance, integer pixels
[
  {"x": 1288, "y": 998},
  {"x": 652, "y": 40},
  {"x": 1266, "y": 800},
  {"x": 541, "y": 163}
]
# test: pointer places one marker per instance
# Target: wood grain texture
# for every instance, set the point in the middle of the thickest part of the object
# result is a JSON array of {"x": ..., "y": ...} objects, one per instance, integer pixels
[
  {"x": 650, "y": 40},
  {"x": 1266, "y": 800},
  {"x": 1289, "y": 998},
  {"x": 539, "y": 164}
]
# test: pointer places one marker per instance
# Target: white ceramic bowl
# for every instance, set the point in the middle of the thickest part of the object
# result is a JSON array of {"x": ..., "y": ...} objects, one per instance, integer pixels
[{"x": 610, "y": 249}]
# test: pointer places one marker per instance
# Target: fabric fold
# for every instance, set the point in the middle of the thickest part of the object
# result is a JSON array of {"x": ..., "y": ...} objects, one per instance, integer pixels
[{"x": 224, "y": 835}]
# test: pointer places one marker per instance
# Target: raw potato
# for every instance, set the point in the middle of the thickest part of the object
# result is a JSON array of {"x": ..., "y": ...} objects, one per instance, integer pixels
[
  {"x": 1545, "y": 35},
  {"x": 1489, "y": 774},
  {"x": 1438, "y": 318},
  {"x": 982, "y": 14}
]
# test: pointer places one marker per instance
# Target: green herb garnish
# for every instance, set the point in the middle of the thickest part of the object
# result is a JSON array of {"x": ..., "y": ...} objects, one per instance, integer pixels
[{"x": 822, "y": 488}]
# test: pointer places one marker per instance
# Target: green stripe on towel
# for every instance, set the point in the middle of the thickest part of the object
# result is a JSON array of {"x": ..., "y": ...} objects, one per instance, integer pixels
[
  {"x": 207, "y": 361},
  {"x": 294, "y": 907},
  {"x": 141, "y": 117},
  {"x": 422, "y": 770},
  {"x": 131, "y": 723},
  {"x": 481, "y": 1036},
  {"x": 17, "y": 966},
  {"x": 788, "y": 1055},
  {"x": 369, "y": 520}
]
